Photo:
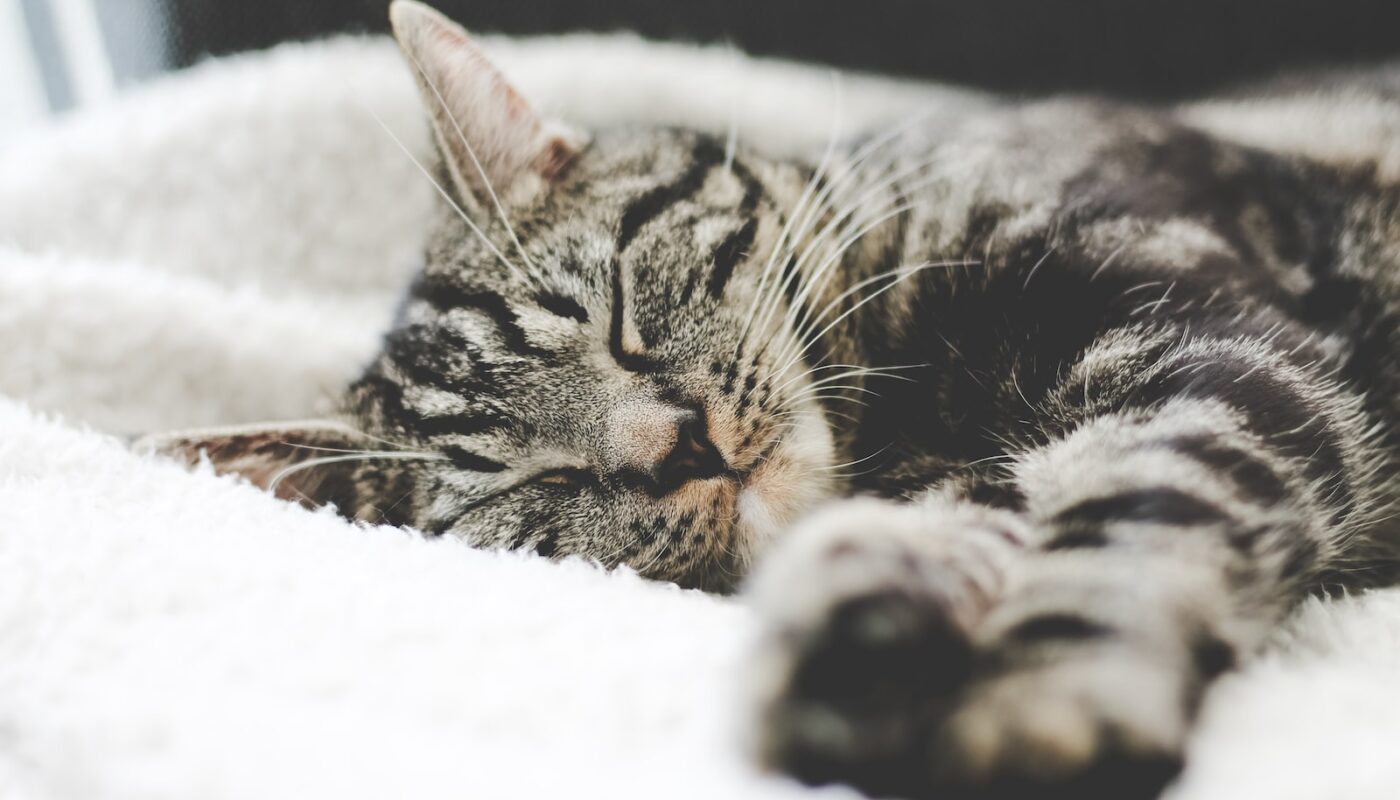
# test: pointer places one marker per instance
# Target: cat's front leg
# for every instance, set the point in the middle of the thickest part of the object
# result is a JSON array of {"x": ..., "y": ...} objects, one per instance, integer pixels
[{"x": 870, "y": 610}]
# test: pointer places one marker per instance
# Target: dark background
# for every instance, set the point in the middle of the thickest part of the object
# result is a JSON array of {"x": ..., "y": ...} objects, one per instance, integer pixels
[{"x": 1142, "y": 49}]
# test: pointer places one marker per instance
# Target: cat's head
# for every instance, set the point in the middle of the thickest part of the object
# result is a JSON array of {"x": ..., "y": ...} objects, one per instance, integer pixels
[{"x": 599, "y": 356}]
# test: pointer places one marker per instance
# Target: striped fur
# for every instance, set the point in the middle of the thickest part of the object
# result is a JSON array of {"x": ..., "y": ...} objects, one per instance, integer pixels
[
  {"x": 1174, "y": 367},
  {"x": 1124, "y": 392}
]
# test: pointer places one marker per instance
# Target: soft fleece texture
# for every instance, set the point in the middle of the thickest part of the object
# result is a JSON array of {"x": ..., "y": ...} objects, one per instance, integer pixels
[{"x": 225, "y": 247}]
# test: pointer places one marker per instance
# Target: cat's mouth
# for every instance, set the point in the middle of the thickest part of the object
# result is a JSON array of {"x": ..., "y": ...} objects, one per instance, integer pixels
[
  {"x": 742, "y": 476},
  {"x": 759, "y": 495}
]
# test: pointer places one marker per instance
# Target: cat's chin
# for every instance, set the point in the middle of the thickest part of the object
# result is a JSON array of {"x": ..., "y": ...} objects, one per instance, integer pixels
[{"x": 788, "y": 484}]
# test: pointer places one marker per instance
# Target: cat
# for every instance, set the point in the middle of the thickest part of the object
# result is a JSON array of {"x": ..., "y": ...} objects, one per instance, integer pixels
[{"x": 1020, "y": 424}]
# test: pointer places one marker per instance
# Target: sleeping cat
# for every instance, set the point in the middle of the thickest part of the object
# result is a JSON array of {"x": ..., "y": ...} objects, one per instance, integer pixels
[{"x": 1034, "y": 418}]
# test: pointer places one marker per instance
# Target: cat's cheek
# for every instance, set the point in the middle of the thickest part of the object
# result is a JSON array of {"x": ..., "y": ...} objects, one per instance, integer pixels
[
  {"x": 757, "y": 522},
  {"x": 787, "y": 486}
]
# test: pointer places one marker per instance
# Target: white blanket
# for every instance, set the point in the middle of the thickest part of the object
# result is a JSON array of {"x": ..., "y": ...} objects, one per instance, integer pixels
[{"x": 225, "y": 247}]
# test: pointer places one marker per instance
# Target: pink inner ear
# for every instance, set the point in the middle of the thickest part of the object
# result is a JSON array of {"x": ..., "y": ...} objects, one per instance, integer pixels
[
  {"x": 555, "y": 158},
  {"x": 516, "y": 109},
  {"x": 450, "y": 37},
  {"x": 457, "y": 44}
]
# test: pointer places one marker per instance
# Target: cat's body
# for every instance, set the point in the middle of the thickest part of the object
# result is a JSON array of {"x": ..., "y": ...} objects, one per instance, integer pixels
[
  {"x": 1173, "y": 360},
  {"x": 1128, "y": 391}
]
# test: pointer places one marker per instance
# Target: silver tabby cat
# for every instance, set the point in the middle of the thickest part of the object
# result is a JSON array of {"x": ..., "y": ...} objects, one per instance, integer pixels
[{"x": 1036, "y": 417}]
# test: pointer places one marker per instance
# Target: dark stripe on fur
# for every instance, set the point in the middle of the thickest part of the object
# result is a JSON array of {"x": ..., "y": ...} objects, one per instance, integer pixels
[
  {"x": 632, "y": 362},
  {"x": 374, "y": 389},
  {"x": 1161, "y": 505},
  {"x": 465, "y": 459},
  {"x": 1302, "y": 560},
  {"x": 389, "y": 395},
  {"x": 547, "y": 545},
  {"x": 753, "y": 189},
  {"x": 439, "y": 357},
  {"x": 688, "y": 290},
  {"x": 1076, "y": 539},
  {"x": 561, "y": 306},
  {"x": 728, "y": 254},
  {"x": 1056, "y": 627},
  {"x": 445, "y": 295},
  {"x": 1275, "y": 412},
  {"x": 705, "y": 155},
  {"x": 460, "y": 425},
  {"x": 1256, "y": 479},
  {"x": 789, "y": 282},
  {"x": 996, "y": 494}
]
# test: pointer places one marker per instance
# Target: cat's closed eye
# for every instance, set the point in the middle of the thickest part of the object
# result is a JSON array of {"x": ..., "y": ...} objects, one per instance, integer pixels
[{"x": 565, "y": 478}]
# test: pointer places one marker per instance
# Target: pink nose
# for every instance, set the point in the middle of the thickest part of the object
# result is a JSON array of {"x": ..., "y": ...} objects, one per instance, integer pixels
[{"x": 660, "y": 446}]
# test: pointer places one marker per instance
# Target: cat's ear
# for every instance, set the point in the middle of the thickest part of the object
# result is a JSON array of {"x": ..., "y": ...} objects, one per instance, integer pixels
[
  {"x": 313, "y": 462},
  {"x": 488, "y": 133}
]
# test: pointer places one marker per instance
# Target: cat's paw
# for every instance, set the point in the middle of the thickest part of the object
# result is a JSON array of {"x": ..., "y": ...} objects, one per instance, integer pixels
[
  {"x": 920, "y": 652},
  {"x": 868, "y": 612}
]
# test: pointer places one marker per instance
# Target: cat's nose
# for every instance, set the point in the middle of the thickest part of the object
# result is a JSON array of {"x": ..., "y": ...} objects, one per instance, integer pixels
[
  {"x": 693, "y": 457},
  {"x": 662, "y": 447}
]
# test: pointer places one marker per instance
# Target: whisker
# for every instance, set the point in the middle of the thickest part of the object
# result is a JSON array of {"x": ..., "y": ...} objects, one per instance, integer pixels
[
  {"x": 826, "y": 269},
  {"x": 895, "y": 277},
  {"x": 476, "y": 163},
  {"x": 852, "y": 463},
  {"x": 802, "y": 201},
  {"x": 319, "y": 448},
  {"x": 828, "y": 381},
  {"x": 835, "y": 396},
  {"x": 317, "y": 462},
  {"x": 443, "y": 192},
  {"x": 380, "y": 439},
  {"x": 847, "y": 222},
  {"x": 852, "y": 169},
  {"x": 852, "y": 370},
  {"x": 795, "y": 309},
  {"x": 848, "y": 386}
]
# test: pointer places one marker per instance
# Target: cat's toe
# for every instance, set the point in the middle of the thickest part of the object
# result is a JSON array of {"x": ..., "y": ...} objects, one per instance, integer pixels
[
  {"x": 863, "y": 691},
  {"x": 1112, "y": 776},
  {"x": 1113, "y": 730}
]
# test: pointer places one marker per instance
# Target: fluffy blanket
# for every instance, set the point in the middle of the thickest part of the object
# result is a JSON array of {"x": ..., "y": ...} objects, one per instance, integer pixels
[{"x": 224, "y": 247}]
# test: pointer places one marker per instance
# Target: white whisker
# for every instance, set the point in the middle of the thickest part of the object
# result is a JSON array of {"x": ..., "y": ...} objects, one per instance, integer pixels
[
  {"x": 317, "y": 462},
  {"x": 802, "y": 201},
  {"x": 448, "y": 197},
  {"x": 895, "y": 276},
  {"x": 834, "y": 258},
  {"x": 852, "y": 463},
  {"x": 847, "y": 218},
  {"x": 476, "y": 163},
  {"x": 852, "y": 369}
]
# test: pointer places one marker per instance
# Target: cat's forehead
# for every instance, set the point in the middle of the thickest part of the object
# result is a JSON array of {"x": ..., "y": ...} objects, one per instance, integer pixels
[
  {"x": 652, "y": 196},
  {"x": 662, "y": 165},
  {"x": 642, "y": 152}
]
